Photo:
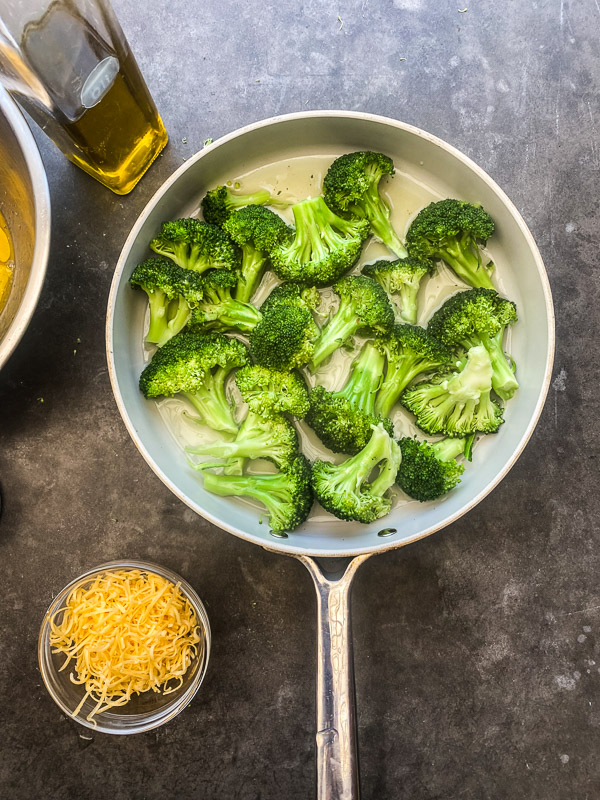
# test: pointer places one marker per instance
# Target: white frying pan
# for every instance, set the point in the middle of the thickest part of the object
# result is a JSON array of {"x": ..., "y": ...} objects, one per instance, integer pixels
[{"x": 428, "y": 161}]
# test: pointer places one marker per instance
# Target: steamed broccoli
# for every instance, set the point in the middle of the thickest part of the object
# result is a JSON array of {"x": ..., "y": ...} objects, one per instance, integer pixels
[
  {"x": 196, "y": 366},
  {"x": 285, "y": 337},
  {"x": 269, "y": 392},
  {"x": 364, "y": 307},
  {"x": 344, "y": 489},
  {"x": 474, "y": 317},
  {"x": 324, "y": 245},
  {"x": 196, "y": 245},
  {"x": 291, "y": 294},
  {"x": 256, "y": 230},
  {"x": 459, "y": 403},
  {"x": 287, "y": 495},
  {"x": 344, "y": 420},
  {"x": 171, "y": 291},
  {"x": 351, "y": 186},
  {"x": 218, "y": 310},
  {"x": 218, "y": 204},
  {"x": 410, "y": 351},
  {"x": 429, "y": 470},
  {"x": 450, "y": 230},
  {"x": 403, "y": 278}
]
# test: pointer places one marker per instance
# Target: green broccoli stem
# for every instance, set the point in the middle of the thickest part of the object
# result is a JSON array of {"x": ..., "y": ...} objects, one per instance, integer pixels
[
  {"x": 504, "y": 382},
  {"x": 232, "y": 313},
  {"x": 158, "y": 328},
  {"x": 409, "y": 305},
  {"x": 338, "y": 330},
  {"x": 253, "y": 266},
  {"x": 309, "y": 221},
  {"x": 447, "y": 449},
  {"x": 271, "y": 490},
  {"x": 352, "y": 473},
  {"x": 374, "y": 208},
  {"x": 254, "y": 440},
  {"x": 364, "y": 381},
  {"x": 178, "y": 321},
  {"x": 210, "y": 401},
  {"x": 400, "y": 372},
  {"x": 466, "y": 263},
  {"x": 260, "y": 198}
]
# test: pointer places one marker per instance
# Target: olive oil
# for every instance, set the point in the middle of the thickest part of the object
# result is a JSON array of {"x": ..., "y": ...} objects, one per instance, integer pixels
[{"x": 6, "y": 262}]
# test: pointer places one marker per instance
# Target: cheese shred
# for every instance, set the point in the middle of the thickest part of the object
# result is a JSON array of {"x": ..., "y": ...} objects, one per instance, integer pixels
[{"x": 129, "y": 631}]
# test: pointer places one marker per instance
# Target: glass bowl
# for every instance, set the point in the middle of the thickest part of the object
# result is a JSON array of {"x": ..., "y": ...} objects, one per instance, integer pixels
[{"x": 143, "y": 711}]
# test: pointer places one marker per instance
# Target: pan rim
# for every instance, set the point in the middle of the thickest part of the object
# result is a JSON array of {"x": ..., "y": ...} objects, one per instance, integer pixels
[{"x": 282, "y": 545}]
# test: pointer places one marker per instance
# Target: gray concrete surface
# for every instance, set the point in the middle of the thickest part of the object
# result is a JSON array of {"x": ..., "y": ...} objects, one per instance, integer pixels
[{"x": 477, "y": 655}]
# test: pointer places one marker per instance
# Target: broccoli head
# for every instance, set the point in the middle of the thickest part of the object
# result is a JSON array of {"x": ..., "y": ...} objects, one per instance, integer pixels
[
  {"x": 402, "y": 278},
  {"x": 218, "y": 310},
  {"x": 429, "y": 470},
  {"x": 285, "y": 337},
  {"x": 218, "y": 204},
  {"x": 291, "y": 294},
  {"x": 287, "y": 495},
  {"x": 256, "y": 230},
  {"x": 196, "y": 366},
  {"x": 457, "y": 404},
  {"x": 196, "y": 245},
  {"x": 269, "y": 392},
  {"x": 344, "y": 489},
  {"x": 479, "y": 317},
  {"x": 344, "y": 420},
  {"x": 450, "y": 230},
  {"x": 409, "y": 351},
  {"x": 364, "y": 307},
  {"x": 351, "y": 186},
  {"x": 323, "y": 248}
]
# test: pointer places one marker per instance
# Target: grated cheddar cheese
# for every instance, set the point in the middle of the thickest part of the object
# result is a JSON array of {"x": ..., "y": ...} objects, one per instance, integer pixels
[{"x": 129, "y": 631}]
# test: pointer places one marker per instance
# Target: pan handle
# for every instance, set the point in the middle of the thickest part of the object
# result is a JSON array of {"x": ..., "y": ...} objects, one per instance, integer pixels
[{"x": 337, "y": 753}]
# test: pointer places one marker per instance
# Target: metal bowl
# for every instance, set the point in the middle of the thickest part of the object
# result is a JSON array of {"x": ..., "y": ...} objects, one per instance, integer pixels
[{"x": 25, "y": 205}]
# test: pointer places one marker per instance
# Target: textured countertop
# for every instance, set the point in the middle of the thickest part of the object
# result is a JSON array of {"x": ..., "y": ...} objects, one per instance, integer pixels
[{"x": 476, "y": 650}]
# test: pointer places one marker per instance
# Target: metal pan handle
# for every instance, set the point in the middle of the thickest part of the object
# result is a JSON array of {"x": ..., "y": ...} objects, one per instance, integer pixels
[{"x": 337, "y": 752}]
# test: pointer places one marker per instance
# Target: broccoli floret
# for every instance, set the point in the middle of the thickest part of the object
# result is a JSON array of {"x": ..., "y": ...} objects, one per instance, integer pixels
[
  {"x": 218, "y": 310},
  {"x": 344, "y": 420},
  {"x": 450, "y": 230},
  {"x": 164, "y": 283},
  {"x": 428, "y": 470},
  {"x": 196, "y": 366},
  {"x": 256, "y": 230},
  {"x": 351, "y": 185},
  {"x": 287, "y": 495},
  {"x": 274, "y": 438},
  {"x": 291, "y": 294},
  {"x": 474, "y": 317},
  {"x": 403, "y": 278},
  {"x": 410, "y": 351},
  {"x": 364, "y": 307},
  {"x": 344, "y": 489},
  {"x": 218, "y": 204},
  {"x": 285, "y": 337},
  {"x": 459, "y": 403},
  {"x": 323, "y": 248},
  {"x": 269, "y": 392},
  {"x": 196, "y": 245}
]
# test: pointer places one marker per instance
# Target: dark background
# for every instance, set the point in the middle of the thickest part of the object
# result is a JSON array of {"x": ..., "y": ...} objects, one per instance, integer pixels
[{"x": 476, "y": 654}]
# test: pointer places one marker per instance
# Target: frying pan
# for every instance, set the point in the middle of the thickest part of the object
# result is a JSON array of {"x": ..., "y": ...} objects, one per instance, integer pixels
[{"x": 330, "y": 549}]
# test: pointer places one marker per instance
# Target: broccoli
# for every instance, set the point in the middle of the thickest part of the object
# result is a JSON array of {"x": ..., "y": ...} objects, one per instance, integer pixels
[
  {"x": 274, "y": 438},
  {"x": 474, "y": 317},
  {"x": 171, "y": 291},
  {"x": 218, "y": 310},
  {"x": 287, "y": 494},
  {"x": 428, "y": 470},
  {"x": 450, "y": 230},
  {"x": 351, "y": 185},
  {"x": 218, "y": 204},
  {"x": 196, "y": 366},
  {"x": 285, "y": 337},
  {"x": 323, "y": 248},
  {"x": 344, "y": 489},
  {"x": 403, "y": 278},
  {"x": 256, "y": 230},
  {"x": 196, "y": 245},
  {"x": 364, "y": 307},
  {"x": 459, "y": 403},
  {"x": 269, "y": 392},
  {"x": 344, "y": 420},
  {"x": 291, "y": 294},
  {"x": 410, "y": 350}
]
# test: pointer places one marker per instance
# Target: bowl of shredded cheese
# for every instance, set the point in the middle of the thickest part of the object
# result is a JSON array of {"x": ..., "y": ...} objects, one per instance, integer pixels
[{"x": 124, "y": 647}]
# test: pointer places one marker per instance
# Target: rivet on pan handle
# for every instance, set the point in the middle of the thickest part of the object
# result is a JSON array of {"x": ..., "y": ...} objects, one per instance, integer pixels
[{"x": 337, "y": 752}]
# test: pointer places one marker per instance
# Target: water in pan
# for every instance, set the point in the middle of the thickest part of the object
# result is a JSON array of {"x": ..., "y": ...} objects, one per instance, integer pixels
[{"x": 294, "y": 180}]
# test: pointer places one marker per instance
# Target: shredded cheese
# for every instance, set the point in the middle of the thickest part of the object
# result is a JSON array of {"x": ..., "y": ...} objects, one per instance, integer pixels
[{"x": 129, "y": 631}]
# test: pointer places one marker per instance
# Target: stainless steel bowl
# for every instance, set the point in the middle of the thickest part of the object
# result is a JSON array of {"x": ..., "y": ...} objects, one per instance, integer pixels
[{"x": 25, "y": 205}]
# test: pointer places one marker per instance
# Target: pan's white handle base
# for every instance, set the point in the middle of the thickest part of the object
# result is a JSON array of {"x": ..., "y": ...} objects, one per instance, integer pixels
[{"x": 337, "y": 753}]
